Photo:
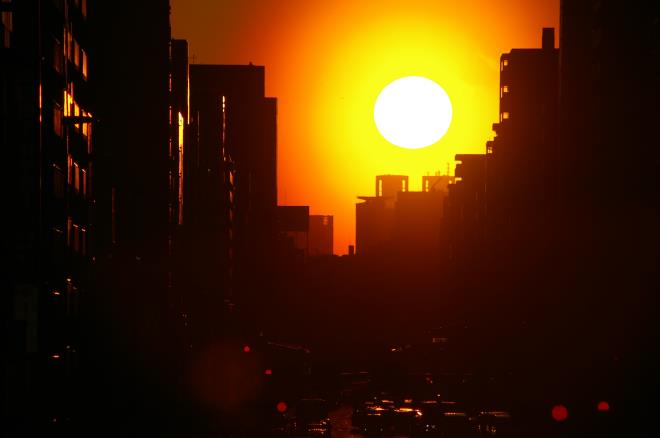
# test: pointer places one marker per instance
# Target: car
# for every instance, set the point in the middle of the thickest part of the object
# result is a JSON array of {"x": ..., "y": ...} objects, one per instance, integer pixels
[
  {"x": 443, "y": 419},
  {"x": 311, "y": 418}
]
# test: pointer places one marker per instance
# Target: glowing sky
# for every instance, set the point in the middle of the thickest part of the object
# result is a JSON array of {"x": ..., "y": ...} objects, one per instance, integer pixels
[{"x": 326, "y": 62}]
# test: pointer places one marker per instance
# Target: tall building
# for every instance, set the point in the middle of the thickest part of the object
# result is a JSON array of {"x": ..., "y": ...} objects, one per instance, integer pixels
[
  {"x": 178, "y": 146},
  {"x": 46, "y": 137},
  {"x": 320, "y": 235},
  {"x": 521, "y": 173},
  {"x": 129, "y": 316},
  {"x": 230, "y": 190},
  {"x": 609, "y": 163}
]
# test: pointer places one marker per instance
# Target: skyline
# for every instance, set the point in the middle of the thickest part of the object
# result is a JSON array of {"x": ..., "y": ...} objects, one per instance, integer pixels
[{"x": 329, "y": 149}]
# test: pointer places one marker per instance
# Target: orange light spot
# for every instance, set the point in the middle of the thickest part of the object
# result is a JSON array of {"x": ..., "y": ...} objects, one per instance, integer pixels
[
  {"x": 55, "y": 356},
  {"x": 559, "y": 413},
  {"x": 268, "y": 372},
  {"x": 246, "y": 349},
  {"x": 603, "y": 406},
  {"x": 281, "y": 407}
]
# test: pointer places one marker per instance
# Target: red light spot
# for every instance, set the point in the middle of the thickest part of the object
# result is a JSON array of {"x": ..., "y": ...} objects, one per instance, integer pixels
[
  {"x": 559, "y": 413},
  {"x": 603, "y": 406},
  {"x": 281, "y": 407},
  {"x": 268, "y": 372},
  {"x": 246, "y": 349}
]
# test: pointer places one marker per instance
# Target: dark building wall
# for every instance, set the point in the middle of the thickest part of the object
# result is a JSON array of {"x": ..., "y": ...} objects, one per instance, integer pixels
[
  {"x": 129, "y": 76},
  {"x": 320, "y": 235},
  {"x": 610, "y": 162},
  {"x": 48, "y": 177},
  {"x": 247, "y": 135},
  {"x": 464, "y": 216},
  {"x": 417, "y": 222},
  {"x": 374, "y": 221},
  {"x": 521, "y": 163}
]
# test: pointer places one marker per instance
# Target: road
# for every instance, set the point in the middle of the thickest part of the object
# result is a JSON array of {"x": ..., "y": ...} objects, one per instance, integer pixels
[{"x": 341, "y": 424}]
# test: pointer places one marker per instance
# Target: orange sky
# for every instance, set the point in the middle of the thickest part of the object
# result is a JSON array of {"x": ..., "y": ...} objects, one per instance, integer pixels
[{"x": 326, "y": 62}]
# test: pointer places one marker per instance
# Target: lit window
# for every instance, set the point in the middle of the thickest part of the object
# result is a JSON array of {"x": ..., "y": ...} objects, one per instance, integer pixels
[
  {"x": 57, "y": 120},
  {"x": 76, "y": 54},
  {"x": 84, "y": 64},
  {"x": 69, "y": 166}
]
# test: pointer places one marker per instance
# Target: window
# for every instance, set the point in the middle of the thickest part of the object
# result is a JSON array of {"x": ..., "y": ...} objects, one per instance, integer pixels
[
  {"x": 76, "y": 113},
  {"x": 84, "y": 182},
  {"x": 58, "y": 56},
  {"x": 69, "y": 230},
  {"x": 505, "y": 115},
  {"x": 76, "y": 238},
  {"x": 180, "y": 160},
  {"x": 83, "y": 241},
  {"x": 58, "y": 182},
  {"x": 57, "y": 120},
  {"x": 69, "y": 166},
  {"x": 76, "y": 176},
  {"x": 84, "y": 64},
  {"x": 7, "y": 26}
]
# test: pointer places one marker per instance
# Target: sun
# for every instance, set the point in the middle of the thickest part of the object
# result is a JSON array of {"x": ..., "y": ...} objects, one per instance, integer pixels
[{"x": 413, "y": 112}]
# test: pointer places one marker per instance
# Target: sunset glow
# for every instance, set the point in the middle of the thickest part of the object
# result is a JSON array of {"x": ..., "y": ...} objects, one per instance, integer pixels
[{"x": 327, "y": 62}]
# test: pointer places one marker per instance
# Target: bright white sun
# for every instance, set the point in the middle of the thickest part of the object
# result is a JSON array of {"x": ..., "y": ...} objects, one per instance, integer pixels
[{"x": 413, "y": 112}]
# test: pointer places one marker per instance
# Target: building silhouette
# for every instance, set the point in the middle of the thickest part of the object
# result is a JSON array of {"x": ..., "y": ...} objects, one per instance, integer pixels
[
  {"x": 46, "y": 134},
  {"x": 128, "y": 316},
  {"x": 520, "y": 163},
  {"x": 374, "y": 218},
  {"x": 464, "y": 220},
  {"x": 398, "y": 221},
  {"x": 231, "y": 187},
  {"x": 320, "y": 235},
  {"x": 293, "y": 226}
]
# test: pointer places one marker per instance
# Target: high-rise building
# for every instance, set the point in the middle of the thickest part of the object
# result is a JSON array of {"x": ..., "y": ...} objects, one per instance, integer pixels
[
  {"x": 46, "y": 135},
  {"x": 521, "y": 175},
  {"x": 129, "y": 315},
  {"x": 230, "y": 189}
]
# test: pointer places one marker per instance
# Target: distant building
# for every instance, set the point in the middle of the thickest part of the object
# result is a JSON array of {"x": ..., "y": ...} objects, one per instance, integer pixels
[
  {"x": 293, "y": 225},
  {"x": 464, "y": 219},
  {"x": 399, "y": 220},
  {"x": 320, "y": 235}
]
